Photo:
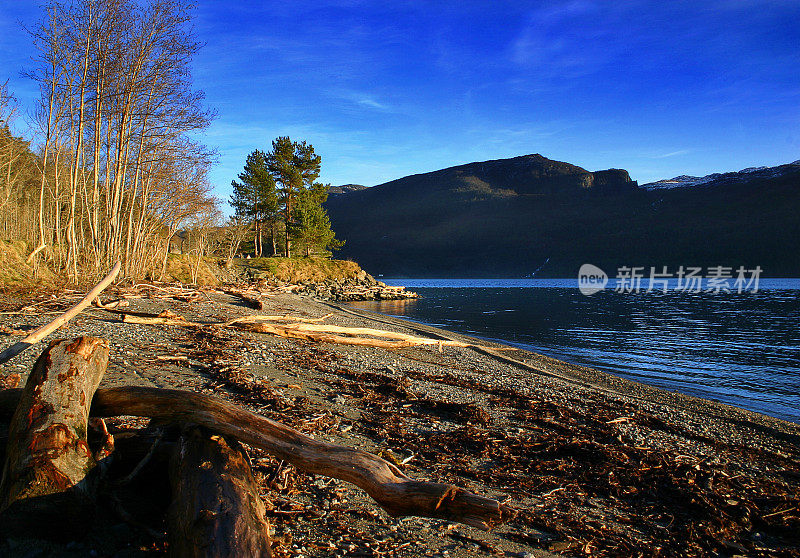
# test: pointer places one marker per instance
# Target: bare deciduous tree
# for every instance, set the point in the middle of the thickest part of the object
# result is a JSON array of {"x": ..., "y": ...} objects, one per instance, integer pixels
[{"x": 116, "y": 170}]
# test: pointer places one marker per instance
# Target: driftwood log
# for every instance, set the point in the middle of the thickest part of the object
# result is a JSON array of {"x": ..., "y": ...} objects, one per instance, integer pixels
[
  {"x": 253, "y": 301},
  {"x": 216, "y": 510},
  {"x": 321, "y": 333},
  {"x": 47, "y": 329},
  {"x": 398, "y": 494},
  {"x": 251, "y": 298},
  {"x": 307, "y": 329},
  {"x": 48, "y": 465}
]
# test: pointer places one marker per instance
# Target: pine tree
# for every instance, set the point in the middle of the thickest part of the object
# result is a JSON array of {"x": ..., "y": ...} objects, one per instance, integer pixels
[
  {"x": 311, "y": 226},
  {"x": 281, "y": 184},
  {"x": 294, "y": 167},
  {"x": 255, "y": 197}
]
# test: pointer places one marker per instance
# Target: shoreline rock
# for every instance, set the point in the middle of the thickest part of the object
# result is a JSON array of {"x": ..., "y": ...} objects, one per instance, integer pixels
[{"x": 363, "y": 287}]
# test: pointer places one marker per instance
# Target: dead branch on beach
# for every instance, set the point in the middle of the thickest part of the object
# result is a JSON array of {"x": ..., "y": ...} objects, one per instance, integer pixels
[
  {"x": 170, "y": 318},
  {"x": 251, "y": 297},
  {"x": 394, "y": 491},
  {"x": 47, "y": 329},
  {"x": 112, "y": 304},
  {"x": 50, "y": 467}
]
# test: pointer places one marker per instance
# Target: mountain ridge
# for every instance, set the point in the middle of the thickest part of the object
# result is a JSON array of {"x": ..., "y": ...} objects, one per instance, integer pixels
[
  {"x": 716, "y": 178},
  {"x": 506, "y": 217},
  {"x": 513, "y": 174}
]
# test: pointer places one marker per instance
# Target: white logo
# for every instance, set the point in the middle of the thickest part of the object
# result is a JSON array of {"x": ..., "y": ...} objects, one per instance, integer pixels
[{"x": 591, "y": 279}]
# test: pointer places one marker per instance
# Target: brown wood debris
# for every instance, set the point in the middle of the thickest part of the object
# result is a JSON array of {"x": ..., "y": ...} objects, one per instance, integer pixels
[
  {"x": 589, "y": 488},
  {"x": 216, "y": 509}
]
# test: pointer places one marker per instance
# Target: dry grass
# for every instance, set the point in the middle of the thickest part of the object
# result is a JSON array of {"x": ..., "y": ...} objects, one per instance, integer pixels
[
  {"x": 180, "y": 266},
  {"x": 14, "y": 272}
]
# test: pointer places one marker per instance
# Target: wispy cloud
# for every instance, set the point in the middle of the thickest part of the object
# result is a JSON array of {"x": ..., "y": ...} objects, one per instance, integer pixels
[
  {"x": 670, "y": 154},
  {"x": 371, "y": 103},
  {"x": 383, "y": 90},
  {"x": 360, "y": 99}
]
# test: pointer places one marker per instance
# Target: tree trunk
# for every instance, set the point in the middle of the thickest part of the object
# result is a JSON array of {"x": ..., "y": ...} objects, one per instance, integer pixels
[
  {"x": 286, "y": 220},
  {"x": 216, "y": 510},
  {"x": 48, "y": 135},
  {"x": 255, "y": 238},
  {"x": 260, "y": 236},
  {"x": 48, "y": 462}
]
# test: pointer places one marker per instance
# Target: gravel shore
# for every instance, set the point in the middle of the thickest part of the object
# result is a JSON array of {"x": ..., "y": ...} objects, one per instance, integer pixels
[{"x": 596, "y": 465}]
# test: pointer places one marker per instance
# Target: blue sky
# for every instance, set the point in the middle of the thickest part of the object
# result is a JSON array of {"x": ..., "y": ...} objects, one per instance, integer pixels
[{"x": 387, "y": 89}]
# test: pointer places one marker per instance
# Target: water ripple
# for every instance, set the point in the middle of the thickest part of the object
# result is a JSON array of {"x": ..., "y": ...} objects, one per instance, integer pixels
[{"x": 740, "y": 348}]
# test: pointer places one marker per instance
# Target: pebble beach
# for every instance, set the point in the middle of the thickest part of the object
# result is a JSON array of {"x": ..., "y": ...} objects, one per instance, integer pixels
[{"x": 594, "y": 464}]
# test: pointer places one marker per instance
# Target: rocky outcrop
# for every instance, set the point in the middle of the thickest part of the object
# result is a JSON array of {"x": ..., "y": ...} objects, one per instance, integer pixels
[
  {"x": 363, "y": 287},
  {"x": 360, "y": 286},
  {"x": 344, "y": 189},
  {"x": 611, "y": 181}
]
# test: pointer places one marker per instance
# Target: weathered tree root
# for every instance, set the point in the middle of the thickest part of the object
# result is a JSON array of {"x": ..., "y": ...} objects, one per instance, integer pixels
[{"x": 398, "y": 494}]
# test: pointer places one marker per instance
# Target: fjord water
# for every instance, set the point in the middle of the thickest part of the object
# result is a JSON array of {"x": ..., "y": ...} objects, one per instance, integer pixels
[{"x": 742, "y": 349}]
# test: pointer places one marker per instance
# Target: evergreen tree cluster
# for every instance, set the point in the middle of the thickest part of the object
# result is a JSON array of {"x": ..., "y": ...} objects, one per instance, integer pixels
[{"x": 278, "y": 193}]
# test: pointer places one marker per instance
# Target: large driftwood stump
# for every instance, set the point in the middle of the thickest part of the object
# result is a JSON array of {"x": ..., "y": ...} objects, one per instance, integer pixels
[
  {"x": 216, "y": 510},
  {"x": 48, "y": 460},
  {"x": 394, "y": 491}
]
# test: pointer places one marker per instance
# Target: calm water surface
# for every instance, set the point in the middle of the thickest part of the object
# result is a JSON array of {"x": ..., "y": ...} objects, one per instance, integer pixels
[{"x": 738, "y": 348}]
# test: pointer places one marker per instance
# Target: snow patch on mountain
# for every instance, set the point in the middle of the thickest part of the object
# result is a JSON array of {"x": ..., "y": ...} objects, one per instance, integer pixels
[{"x": 749, "y": 173}]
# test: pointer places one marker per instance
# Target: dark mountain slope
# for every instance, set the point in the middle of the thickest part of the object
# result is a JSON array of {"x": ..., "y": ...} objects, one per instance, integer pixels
[{"x": 507, "y": 217}]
